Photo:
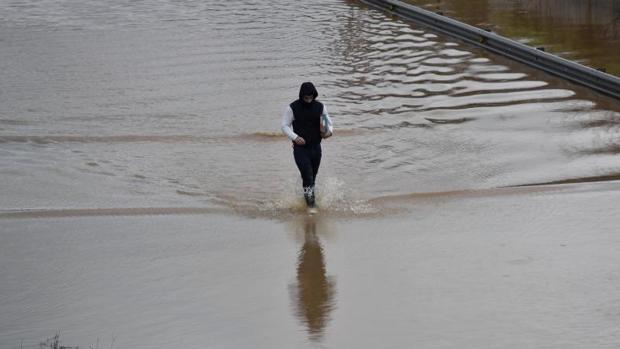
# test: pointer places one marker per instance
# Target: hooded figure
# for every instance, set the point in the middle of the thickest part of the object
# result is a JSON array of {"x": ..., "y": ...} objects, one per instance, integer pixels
[
  {"x": 307, "y": 118},
  {"x": 306, "y": 122}
]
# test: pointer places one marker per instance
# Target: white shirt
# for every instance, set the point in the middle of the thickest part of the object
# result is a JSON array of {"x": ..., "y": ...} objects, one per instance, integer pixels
[{"x": 289, "y": 117}]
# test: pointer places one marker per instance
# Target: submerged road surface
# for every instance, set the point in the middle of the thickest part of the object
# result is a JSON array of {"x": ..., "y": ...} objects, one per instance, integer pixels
[{"x": 148, "y": 198}]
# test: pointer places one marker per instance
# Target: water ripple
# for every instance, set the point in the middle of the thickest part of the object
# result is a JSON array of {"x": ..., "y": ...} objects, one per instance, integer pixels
[{"x": 200, "y": 87}]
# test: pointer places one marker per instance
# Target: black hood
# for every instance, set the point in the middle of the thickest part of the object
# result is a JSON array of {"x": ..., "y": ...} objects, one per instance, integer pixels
[{"x": 307, "y": 88}]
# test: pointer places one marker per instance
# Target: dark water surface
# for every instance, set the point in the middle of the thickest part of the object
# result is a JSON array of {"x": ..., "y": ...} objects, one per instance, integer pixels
[
  {"x": 147, "y": 193},
  {"x": 587, "y": 31}
]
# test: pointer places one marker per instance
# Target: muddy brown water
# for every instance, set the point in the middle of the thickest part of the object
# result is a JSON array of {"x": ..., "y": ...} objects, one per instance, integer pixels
[
  {"x": 148, "y": 199},
  {"x": 584, "y": 31}
]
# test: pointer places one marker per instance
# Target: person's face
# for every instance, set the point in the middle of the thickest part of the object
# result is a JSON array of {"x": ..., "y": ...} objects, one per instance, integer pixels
[{"x": 308, "y": 98}]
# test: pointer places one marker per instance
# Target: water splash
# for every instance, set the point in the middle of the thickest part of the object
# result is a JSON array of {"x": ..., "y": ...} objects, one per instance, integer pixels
[
  {"x": 334, "y": 198},
  {"x": 333, "y": 195}
]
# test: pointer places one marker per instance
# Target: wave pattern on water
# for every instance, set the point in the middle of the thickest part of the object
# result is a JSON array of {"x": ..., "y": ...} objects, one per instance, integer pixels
[{"x": 181, "y": 102}]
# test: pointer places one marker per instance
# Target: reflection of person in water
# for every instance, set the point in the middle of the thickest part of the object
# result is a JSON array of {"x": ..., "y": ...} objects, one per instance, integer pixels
[{"x": 314, "y": 290}]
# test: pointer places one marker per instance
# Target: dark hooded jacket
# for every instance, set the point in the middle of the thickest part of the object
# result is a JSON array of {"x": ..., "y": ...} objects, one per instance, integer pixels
[{"x": 307, "y": 115}]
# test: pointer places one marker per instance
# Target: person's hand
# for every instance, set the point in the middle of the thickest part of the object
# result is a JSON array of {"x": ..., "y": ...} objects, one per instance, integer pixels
[
  {"x": 300, "y": 141},
  {"x": 326, "y": 134}
]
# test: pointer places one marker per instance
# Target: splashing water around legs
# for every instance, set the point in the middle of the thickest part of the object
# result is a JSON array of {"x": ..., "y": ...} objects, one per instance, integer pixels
[
  {"x": 332, "y": 196},
  {"x": 309, "y": 197}
]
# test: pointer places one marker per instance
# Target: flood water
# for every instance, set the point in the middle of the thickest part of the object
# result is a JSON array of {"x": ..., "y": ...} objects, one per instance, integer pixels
[
  {"x": 584, "y": 31},
  {"x": 149, "y": 199}
]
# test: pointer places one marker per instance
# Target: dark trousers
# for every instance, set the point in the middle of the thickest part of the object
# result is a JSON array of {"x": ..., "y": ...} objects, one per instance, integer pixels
[{"x": 308, "y": 160}]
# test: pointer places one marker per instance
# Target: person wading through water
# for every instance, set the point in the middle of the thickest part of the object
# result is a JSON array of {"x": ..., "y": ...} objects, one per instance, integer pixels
[{"x": 306, "y": 122}]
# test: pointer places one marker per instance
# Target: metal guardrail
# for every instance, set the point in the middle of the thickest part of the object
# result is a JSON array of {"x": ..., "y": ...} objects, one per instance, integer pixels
[{"x": 604, "y": 83}]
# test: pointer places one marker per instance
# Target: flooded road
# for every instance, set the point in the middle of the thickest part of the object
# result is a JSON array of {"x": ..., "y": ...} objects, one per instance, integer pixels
[
  {"x": 584, "y": 31},
  {"x": 179, "y": 105},
  {"x": 149, "y": 198},
  {"x": 510, "y": 271}
]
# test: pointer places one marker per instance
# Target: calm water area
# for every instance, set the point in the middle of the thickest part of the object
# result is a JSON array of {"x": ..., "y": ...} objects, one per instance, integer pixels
[
  {"x": 586, "y": 31},
  {"x": 148, "y": 198}
]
